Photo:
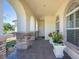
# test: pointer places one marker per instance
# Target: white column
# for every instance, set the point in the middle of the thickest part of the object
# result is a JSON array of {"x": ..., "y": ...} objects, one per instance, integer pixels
[
  {"x": 21, "y": 23},
  {"x": 27, "y": 23},
  {"x": 1, "y": 18},
  {"x": 32, "y": 24}
]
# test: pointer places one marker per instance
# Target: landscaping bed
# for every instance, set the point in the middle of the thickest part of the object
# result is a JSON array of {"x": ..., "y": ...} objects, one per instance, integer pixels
[{"x": 10, "y": 45}]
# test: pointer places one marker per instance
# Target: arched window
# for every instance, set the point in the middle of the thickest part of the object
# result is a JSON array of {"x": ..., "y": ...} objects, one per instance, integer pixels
[
  {"x": 72, "y": 24},
  {"x": 72, "y": 7}
]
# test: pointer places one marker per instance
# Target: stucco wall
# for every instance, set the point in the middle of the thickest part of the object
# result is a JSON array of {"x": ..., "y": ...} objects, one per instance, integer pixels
[
  {"x": 1, "y": 17},
  {"x": 32, "y": 23},
  {"x": 61, "y": 13},
  {"x": 50, "y": 25},
  {"x": 41, "y": 24},
  {"x": 36, "y": 25}
]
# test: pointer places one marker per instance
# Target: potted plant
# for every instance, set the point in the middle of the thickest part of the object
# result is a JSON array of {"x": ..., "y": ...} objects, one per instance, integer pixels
[
  {"x": 50, "y": 38},
  {"x": 58, "y": 45}
]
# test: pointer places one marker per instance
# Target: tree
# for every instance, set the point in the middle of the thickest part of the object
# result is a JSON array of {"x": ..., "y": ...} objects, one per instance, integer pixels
[{"x": 8, "y": 28}]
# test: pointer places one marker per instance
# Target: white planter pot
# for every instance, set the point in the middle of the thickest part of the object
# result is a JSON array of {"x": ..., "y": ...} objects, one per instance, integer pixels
[
  {"x": 50, "y": 40},
  {"x": 58, "y": 51}
]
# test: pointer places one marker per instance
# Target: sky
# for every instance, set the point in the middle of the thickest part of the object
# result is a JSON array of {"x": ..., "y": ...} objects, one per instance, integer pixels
[{"x": 9, "y": 13}]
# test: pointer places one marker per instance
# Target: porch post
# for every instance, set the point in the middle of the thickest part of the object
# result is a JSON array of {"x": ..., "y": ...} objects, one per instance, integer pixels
[
  {"x": 27, "y": 23},
  {"x": 23, "y": 25},
  {"x": 2, "y": 38},
  {"x": 1, "y": 18}
]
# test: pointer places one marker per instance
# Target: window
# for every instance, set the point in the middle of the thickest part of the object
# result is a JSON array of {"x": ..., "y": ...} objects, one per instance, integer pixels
[
  {"x": 57, "y": 24},
  {"x": 73, "y": 27},
  {"x": 70, "y": 21},
  {"x": 77, "y": 18}
]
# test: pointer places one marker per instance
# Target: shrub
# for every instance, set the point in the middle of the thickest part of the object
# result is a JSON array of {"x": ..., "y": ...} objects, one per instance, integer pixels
[
  {"x": 10, "y": 43},
  {"x": 56, "y": 36}
]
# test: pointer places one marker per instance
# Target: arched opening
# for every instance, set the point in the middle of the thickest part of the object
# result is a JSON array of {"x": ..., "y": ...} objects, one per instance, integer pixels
[
  {"x": 9, "y": 26},
  {"x": 14, "y": 8},
  {"x": 21, "y": 15},
  {"x": 9, "y": 18}
]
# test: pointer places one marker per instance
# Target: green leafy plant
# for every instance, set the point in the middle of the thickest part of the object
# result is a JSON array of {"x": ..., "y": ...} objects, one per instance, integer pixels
[
  {"x": 10, "y": 44},
  {"x": 57, "y": 37}
]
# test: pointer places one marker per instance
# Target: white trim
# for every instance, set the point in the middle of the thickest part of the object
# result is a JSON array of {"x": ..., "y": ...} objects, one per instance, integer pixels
[
  {"x": 73, "y": 11},
  {"x": 71, "y": 28},
  {"x": 74, "y": 15},
  {"x": 75, "y": 20},
  {"x": 71, "y": 53}
]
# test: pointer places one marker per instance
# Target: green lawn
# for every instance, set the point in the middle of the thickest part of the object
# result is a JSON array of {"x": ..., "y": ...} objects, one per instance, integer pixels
[{"x": 10, "y": 42}]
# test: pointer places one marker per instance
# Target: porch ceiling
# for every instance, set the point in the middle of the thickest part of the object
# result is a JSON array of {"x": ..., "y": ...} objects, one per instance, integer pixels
[{"x": 45, "y": 7}]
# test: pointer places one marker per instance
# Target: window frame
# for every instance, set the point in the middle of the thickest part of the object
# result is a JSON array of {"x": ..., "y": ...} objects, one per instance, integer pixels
[
  {"x": 57, "y": 24},
  {"x": 68, "y": 15},
  {"x": 73, "y": 11}
]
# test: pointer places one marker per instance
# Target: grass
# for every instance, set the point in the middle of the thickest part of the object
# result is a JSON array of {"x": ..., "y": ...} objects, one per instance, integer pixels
[{"x": 10, "y": 42}]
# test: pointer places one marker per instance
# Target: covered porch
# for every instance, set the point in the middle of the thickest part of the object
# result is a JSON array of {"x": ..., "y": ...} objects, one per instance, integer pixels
[{"x": 35, "y": 20}]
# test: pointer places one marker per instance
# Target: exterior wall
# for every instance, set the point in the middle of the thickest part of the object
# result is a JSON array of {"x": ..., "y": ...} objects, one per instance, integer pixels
[
  {"x": 41, "y": 27},
  {"x": 47, "y": 25},
  {"x": 50, "y": 27},
  {"x": 70, "y": 49},
  {"x": 32, "y": 23},
  {"x": 36, "y": 25},
  {"x": 2, "y": 38},
  {"x": 27, "y": 24},
  {"x": 60, "y": 13},
  {"x": 1, "y": 18}
]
